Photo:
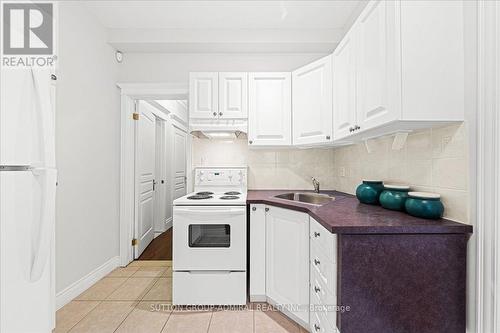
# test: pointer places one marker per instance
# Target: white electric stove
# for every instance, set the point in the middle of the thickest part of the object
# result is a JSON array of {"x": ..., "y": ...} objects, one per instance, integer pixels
[{"x": 209, "y": 239}]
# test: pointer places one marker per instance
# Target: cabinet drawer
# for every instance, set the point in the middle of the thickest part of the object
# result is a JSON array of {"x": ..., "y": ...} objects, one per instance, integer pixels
[
  {"x": 324, "y": 268},
  {"x": 319, "y": 324},
  {"x": 320, "y": 237},
  {"x": 328, "y": 311},
  {"x": 325, "y": 296}
]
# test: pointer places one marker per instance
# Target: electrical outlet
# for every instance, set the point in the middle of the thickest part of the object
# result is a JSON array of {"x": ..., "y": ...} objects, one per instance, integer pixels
[{"x": 342, "y": 172}]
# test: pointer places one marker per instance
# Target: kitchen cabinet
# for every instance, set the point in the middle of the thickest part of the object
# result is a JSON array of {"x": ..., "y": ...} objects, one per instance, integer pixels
[
  {"x": 408, "y": 60},
  {"x": 258, "y": 253},
  {"x": 269, "y": 107},
  {"x": 287, "y": 261},
  {"x": 233, "y": 95},
  {"x": 203, "y": 95},
  {"x": 344, "y": 87},
  {"x": 215, "y": 95},
  {"x": 323, "y": 277},
  {"x": 312, "y": 103}
]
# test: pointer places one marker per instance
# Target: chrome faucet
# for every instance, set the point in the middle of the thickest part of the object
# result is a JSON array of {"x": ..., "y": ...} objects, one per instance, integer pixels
[{"x": 315, "y": 184}]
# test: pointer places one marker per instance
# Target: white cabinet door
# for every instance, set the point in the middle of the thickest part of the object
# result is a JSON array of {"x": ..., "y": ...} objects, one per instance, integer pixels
[
  {"x": 233, "y": 95},
  {"x": 374, "y": 65},
  {"x": 257, "y": 253},
  {"x": 287, "y": 261},
  {"x": 270, "y": 116},
  {"x": 344, "y": 87},
  {"x": 203, "y": 95},
  {"x": 312, "y": 103}
]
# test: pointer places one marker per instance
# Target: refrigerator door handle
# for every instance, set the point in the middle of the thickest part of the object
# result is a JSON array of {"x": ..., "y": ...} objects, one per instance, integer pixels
[{"x": 42, "y": 241}]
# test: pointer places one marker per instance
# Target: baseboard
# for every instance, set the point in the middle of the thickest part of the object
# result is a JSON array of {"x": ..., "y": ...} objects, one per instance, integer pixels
[
  {"x": 168, "y": 223},
  {"x": 72, "y": 291},
  {"x": 258, "y": 298}
]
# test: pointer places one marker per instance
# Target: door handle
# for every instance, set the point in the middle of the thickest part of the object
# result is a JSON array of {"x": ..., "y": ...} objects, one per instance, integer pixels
[{"x": 154, "y": 184}]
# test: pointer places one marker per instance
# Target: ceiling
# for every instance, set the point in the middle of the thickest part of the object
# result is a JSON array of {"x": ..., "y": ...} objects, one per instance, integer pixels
[{"x": 226, "y": 26}]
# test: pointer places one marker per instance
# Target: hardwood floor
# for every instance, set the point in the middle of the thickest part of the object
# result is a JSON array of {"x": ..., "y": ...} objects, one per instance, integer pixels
[{"x": 160, "y": 248}]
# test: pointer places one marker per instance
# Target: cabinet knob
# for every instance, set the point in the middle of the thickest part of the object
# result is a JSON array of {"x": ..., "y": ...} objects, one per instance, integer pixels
[
  {"x": 317, "y": 328},
  {"x": 220, "y": 114},
  {"x": 215, "y": 114},
  {"x": 316, "y": 234},
  {"x": 328, "y": 137},
  {"x": 267, "y": 209},
  {"x": 254, "y": 209},
  {"x": 53, "y": 77},
  {"x": 317, "y": 289},
  {"x": 316, "y": 262},
  {"x": 351, "y": 129},
  {"x": 250, "y": 142}
]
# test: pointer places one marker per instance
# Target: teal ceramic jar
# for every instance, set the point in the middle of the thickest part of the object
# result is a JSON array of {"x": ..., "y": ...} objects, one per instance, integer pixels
[
  {"x": 425, "y": 205},
  {"x": 369, "y": 191},
  {"x": 394, "y": 197}
]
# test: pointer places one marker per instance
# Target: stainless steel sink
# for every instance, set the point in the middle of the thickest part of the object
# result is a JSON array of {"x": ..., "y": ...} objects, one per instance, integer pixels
[{"x": 309, "y": 198}]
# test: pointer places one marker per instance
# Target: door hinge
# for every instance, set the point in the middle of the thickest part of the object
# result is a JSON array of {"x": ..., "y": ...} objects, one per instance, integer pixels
[
  {"x": 135, "y": 116},
  {"x": 135, "y": 242}
]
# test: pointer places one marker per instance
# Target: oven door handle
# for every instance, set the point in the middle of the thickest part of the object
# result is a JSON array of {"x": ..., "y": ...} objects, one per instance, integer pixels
[{"x": 230, "y": 211}]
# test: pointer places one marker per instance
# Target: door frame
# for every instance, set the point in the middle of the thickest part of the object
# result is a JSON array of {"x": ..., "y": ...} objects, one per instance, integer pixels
[{"x": 130, "y": 92}]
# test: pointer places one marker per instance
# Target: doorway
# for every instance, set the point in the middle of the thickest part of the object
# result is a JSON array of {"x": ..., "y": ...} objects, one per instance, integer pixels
[{"x": 155, "y": 153}]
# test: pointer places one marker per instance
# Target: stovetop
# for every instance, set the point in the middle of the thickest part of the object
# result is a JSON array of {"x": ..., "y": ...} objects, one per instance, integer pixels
[{"x": 207, "y": 198}]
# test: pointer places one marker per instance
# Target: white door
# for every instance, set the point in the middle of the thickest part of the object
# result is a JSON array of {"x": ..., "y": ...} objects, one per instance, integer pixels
[
  {"x": 312, "y": 103},
  {"x": 373, "y": 67},
  {"x": 179, "y": 162},
  {"x": 233, "y": 95},
  {"x": 203, "y": 95},
  {"x": 287, "y": 260},
  {"x": 269, "y": 106},
  {"x": 162, "y": 183},
  {"x": 344, "y": 87},
  {"x": 145, "y": 177}
]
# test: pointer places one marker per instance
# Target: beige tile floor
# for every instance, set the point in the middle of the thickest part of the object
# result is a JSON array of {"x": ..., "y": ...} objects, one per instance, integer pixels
[{"x": 136, "y": 299}]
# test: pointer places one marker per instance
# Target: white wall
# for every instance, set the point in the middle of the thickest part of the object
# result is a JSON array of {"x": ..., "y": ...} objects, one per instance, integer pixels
[
  {"x": 139, "y": 67},
  {"x": 88, "y": 147}
]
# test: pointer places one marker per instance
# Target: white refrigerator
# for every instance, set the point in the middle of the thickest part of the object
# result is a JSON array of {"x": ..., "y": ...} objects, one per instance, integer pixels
[{"x": 28, "y": 179}]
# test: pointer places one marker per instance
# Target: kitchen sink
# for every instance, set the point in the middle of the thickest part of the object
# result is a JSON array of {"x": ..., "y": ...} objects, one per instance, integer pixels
[{"x": 309, "y": 198}]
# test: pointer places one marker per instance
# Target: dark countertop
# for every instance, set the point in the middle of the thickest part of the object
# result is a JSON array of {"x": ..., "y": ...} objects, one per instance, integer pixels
[{"x": 345, "y": 215}]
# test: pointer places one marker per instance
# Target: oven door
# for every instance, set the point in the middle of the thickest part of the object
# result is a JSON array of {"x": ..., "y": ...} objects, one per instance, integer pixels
[{"x": 209, "y": 238}]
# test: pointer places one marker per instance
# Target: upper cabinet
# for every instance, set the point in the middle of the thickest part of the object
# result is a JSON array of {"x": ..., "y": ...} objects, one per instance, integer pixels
[
  {"x": 312, "y": 103},
  {"x": 374, "y": 32},
  {"x": 233, "y": 95},
  {"x": 269, "y": 107},
  {"x": 344, "y": 87},
  {"x": 399, "y": 68},
  {"x": 218, "y": 95},
  {"x": 203, "y": 95}
]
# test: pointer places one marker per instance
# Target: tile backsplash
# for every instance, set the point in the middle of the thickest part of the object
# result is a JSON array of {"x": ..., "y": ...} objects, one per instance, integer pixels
[
  {"x": 432, "y": 160},
  {"x": 268, "y": 168}
]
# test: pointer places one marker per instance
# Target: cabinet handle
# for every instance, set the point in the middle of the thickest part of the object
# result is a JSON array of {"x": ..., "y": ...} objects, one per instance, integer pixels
[
  {"x": 250, "y": 142},
  {"x": 317, "y": 328},
  {"x": 317, "y": 289},
  {"x": 220, "y": 114},
  {"x": 267, "y": 209},
  {"x": 328, "y": 137},
  {"x": 53, "y": 77},
  {"x": 316, "y": 262},
  {"x": 254, "y": 209},
  {"x": 316, "y": 234},
  {"x": 215, "y": 114}
]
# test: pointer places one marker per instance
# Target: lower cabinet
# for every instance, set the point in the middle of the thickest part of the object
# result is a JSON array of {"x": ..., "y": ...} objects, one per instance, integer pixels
[
  {"x": 293, "y": 265},
  {"x": 287, "y": 262}
]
